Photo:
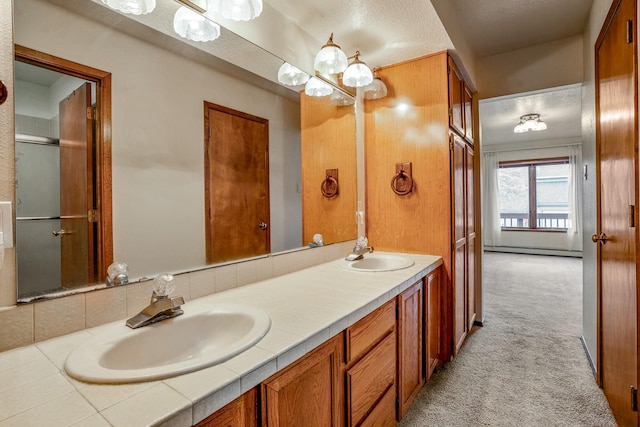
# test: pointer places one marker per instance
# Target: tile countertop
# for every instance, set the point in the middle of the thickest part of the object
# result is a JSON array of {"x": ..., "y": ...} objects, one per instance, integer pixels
[{"x": 306, "y": 307}]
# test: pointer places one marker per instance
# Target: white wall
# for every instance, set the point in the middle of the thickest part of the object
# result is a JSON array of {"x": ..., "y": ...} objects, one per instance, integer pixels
[
  {"x": 599, "y": 12},
  {"x": 158, "y": 155},
  {"x": 546, "y": 65},
  {"x": 533, "y": 242}
]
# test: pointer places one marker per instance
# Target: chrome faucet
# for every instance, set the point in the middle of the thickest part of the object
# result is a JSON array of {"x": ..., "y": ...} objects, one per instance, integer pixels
[
  {"x": 359, "y": 249},
  {"x": 161, "y": 306}
]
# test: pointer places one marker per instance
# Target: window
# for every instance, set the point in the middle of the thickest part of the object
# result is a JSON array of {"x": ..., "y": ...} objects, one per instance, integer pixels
[{"x": 534, "y": 194}]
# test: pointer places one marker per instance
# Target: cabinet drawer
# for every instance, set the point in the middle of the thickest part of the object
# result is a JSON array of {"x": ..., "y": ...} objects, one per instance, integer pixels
[
  {"x": 370, "y": 378},
  {"x": 368, "y": 331},
  {"x": 384, "y": 414}
]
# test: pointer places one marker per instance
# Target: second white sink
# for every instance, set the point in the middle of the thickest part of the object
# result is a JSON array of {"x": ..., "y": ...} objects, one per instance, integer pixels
[
  {"x": 377, "y": 262},
  {"x": 202, "y": 337}
]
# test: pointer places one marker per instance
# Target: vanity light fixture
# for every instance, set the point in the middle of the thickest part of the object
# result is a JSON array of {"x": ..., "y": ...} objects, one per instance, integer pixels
[
  {"x": 357, "y": 74},
  {"x": 292, "y": 76},
  {"x": 340, "y": 99},
  {"x": 316, "y": 87},
  {"x": 134, "y": 7},
  {"x": 239, "y": 10},
  {"x": 376, "y": 89},
  {"x": 331, "y": 59},
  {"x": 530, "y": 122},
  {"x": 193, "y": 26}
]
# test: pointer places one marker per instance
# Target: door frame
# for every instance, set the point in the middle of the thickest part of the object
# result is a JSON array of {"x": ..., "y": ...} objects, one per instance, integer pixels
[{"x": 103, "y": 174}]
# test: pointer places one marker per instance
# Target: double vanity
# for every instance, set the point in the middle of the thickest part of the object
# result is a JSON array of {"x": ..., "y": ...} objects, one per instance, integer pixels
[{"x": 226, "y": 346}]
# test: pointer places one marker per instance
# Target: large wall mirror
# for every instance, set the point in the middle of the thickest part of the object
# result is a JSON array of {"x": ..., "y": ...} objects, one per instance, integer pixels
[{"x": 159, "y": 87}]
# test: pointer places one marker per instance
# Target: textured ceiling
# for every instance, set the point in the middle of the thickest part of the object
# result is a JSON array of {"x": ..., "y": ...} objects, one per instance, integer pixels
[{"x": 560, "y": 108}]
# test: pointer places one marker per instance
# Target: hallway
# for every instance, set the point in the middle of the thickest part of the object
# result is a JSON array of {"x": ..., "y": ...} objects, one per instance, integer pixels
[{"x": 526, "y": 366}]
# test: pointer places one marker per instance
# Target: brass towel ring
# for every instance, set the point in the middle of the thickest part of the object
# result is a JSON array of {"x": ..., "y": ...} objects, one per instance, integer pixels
[
  {"x": 329, "y": 187},
  {"x": 402, "y": 183}
]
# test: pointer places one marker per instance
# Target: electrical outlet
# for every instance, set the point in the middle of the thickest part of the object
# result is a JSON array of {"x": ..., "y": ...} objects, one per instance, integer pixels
[{"x": 6, "y": 223}]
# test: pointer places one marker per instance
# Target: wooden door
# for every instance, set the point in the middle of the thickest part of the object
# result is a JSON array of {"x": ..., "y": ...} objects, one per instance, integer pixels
[
  {"x": 471, "y": 239},
  {"x": 308, "y": 393},
  {"x": 77, "y": 233},
  {"x": 433, "y": 322},
  {"x": 468, "y": 114},
  {"x": 456, "y": 98},
  {"x": 616, "y": 88},
  {"x": 410, "y": 378},
  {"x": 458, "y": 188},
  {"x": 236, "y": 184}
]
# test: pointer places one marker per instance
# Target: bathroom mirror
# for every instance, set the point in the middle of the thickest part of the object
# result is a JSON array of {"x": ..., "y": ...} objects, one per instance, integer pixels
[{"x": 159, "y": 86}]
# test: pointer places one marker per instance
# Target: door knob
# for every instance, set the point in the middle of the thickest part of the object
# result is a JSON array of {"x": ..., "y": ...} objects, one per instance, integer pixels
[
  {"x": 61, "y": 233},
  {"x": 263, "y": 226},
  {"x": 601, "y": 238}
]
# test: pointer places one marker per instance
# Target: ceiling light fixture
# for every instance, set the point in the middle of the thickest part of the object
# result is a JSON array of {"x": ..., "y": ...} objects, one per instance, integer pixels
[
  {"x": 376, "y": 89},
  {"x": 193, "y": 26},
  {"x": 530, "y": 122},
  {"x": 316, "y": 87},
  {"x": 357, "y": 74},
  {"x": 240, "y": 10},
  {"x": 292, "y": 76},
  {"x": 133, "y": 7},
  {"x": 331, "y": 59}
]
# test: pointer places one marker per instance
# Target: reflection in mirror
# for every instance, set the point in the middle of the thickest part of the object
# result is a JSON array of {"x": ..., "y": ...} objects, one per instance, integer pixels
[
  {"x": 63, "y": 226},
  {"x": 159, "y": 87}
]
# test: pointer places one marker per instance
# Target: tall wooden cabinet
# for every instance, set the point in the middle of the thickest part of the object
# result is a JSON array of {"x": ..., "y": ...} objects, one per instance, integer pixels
[{"x": 427, "y": 120}]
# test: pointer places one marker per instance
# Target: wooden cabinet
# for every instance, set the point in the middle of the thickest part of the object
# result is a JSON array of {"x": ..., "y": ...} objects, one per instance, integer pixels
[
  {"x": 309, "y": 392},
  {"x": 432, "y": 219},
  {"x": 410, "y": 346},
  {"x": 432, "y": 321},
  {"x": 242, "y": 412},
  {"x": 370, "y": 349}
]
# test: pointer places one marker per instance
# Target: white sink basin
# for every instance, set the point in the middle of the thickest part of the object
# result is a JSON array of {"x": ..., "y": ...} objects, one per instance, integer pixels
[
  {"x": 204, "y": 336},
  {"x": 376, "y": 262}
]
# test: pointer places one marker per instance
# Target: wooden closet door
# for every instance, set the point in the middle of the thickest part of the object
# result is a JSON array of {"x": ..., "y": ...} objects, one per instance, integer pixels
[
  {"x": 458, "y": 186},
  {"x": 616, "y": 78}
]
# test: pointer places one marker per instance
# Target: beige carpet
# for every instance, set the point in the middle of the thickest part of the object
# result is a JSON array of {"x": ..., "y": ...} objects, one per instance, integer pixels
[{"x": 526, "y": 366}]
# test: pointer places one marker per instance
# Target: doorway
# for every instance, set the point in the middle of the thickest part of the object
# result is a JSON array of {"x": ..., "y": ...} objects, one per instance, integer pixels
[
  {"x": 236, "y": 184},
  {"x": 63, "y": 174}
]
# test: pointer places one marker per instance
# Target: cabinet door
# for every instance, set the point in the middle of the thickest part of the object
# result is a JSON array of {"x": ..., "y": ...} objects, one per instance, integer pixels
[
  {"x": 242, "y": 412},
  {"x": 459, "y": 270},
  {"x": 432, "y": 327},
  {"x": 410, "y": 378},
  {"x": 309, "y": 392},
  {"x": 468, "y": 114},
  {"x": 456, "y": 98},
  {"x": 471, "y": 240}
]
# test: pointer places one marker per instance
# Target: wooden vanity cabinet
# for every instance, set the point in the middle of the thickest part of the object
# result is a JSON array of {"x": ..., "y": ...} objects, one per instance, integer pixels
[
  {"x": 242, "y": 412},
  {"x": 432, "y": 321},
  {"x": 410, "y": 346},
  {"x": 370, "y": 350},
  {"x": 309, "y": 392}
]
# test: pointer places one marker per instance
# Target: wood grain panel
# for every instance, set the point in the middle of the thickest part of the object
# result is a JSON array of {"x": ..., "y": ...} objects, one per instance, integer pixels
[
  {"x": 370, "y": 378},
  {"x": 471, "y": 283},
  {"x": 328, "y": 142},
  {"x": 368, "y": 331},
  {"x": 433, "y": 322},
  {"x": 383, "y": 414},
  {"x": 459, "y": 301},
  {"x": 468, "y": 114},
  {"x": 456, "y": 98},
  {"x": 307, "y": 393},
  {"x": 470, "y": 190},
  {"x": 410, "y": 125},
  {"x": 410, "y": 378},
  {"x": 242, "y": 412}
]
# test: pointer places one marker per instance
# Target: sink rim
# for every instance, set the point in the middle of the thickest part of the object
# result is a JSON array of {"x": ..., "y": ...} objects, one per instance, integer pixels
[
  {"x": 84, "y": 362},
  {"x": 404, "y": 262}
]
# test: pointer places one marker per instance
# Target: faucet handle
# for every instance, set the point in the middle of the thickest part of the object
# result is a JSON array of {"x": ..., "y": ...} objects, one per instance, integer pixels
[
  {"x": 163, "y": 285},
  {"x": 362, "y": 242}
]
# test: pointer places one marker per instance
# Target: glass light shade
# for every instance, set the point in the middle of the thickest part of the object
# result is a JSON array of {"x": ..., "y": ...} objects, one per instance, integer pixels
[
  {"x": 193, "y": 26},
  {"x": 292, "y": 76},
  {"x": 357, "y": 74},
  {"x": 240, "y": 10},
  {"x": 316, "y": 87},
  {"x": 331, "y": 59},
  {"x": 340, "y": 99},
  {"x": 134, "y": 7},
  {"x": 520, "y": 128},
  {"x": 376, "y": 89},
  {"x": 539, "y": 125}
]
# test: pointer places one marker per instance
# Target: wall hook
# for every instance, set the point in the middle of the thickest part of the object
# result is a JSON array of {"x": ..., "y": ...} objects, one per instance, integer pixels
[
  {"x": 330, "y": 186},
  {"x": 402, "y": 181}
]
